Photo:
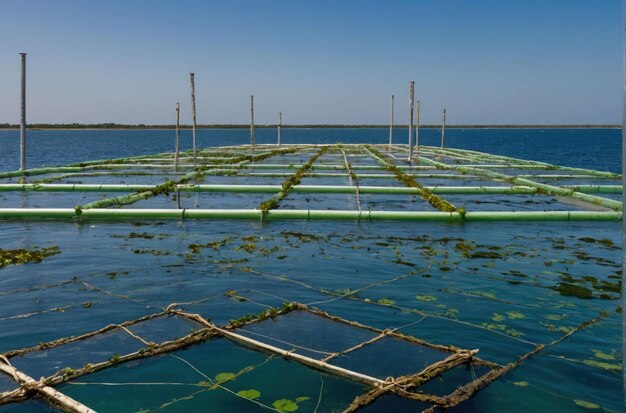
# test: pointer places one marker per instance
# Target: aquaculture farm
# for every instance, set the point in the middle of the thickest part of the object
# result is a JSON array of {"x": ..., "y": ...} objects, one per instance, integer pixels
[{"x": 311, "y": 278}]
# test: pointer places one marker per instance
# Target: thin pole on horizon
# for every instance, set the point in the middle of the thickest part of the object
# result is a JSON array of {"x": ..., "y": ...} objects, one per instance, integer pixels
[
  {"x": 23, "y": 113},
  {"x": 443, "y": 128},
  {"x": 391, "y": 125},
  {"x": 251, "y": 119},
  {"x": 193, "y": 114},
  {"x": 280, "y": 121},
  {"x": 411, "y": 99},
  {"x": 624, "y": 200},
  {"x": 417, "y": 129},
  {"x": 177, "y": 144}
]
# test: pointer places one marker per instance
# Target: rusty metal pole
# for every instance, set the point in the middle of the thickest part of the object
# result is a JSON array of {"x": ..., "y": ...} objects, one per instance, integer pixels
[
  {"x": 193, "y": 114},
  {"x": 411, "y": 99},
  {"x": 251, "y": 120},
  {"x": 23, "y": 113}
]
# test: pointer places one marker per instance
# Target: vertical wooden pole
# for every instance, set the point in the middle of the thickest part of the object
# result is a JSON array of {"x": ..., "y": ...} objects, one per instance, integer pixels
[
  {"x": 193, "y": 114},
  {"x": 251, "y": 120},
  {"x": 177, "y": 144},
  {"x": 23, "y": 113},
  {"x": 280, "y": 121},
  {"x": 443, "y": 129},
  {"x": 391, "y": 125},
  {"x": 411, "y": 98},
  {"x": 623, "y": 302},
  {"x": 417, "y": 128}
]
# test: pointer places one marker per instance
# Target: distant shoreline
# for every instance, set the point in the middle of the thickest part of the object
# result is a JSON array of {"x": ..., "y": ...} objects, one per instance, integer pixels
[{"x": 111, "y": 126}]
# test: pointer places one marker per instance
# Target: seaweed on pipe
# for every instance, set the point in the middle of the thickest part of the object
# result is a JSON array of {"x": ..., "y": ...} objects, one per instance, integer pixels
[
  {"x": 437, "y": 202},
  {"x": 295, "y": 179},
  {"x": 171, "y": 185}
]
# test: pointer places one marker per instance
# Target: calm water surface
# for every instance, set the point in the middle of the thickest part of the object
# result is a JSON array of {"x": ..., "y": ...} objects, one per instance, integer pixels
[{"x": 587, "y": 148}]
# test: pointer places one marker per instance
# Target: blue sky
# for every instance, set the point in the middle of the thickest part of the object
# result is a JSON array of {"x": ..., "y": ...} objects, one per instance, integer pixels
[{"x": 322, "y": 61}]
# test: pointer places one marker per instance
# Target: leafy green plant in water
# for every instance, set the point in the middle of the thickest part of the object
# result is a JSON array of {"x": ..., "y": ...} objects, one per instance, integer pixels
[
  {"x": 515, "y": 315},
  {"x": 249, "y": 394},
  {"x": 498, "y": 317},
  {"x": 287, "y": 405},
  {"x": 224, "y": 377},
  {"x": 426, "y": 298}
]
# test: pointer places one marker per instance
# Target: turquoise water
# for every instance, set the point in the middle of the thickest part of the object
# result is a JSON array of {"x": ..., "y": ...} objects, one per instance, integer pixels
[{"x": 503, "y": 296}]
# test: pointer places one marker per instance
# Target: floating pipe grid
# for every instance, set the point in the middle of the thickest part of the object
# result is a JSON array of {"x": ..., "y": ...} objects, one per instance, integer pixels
[{"x": 434, "y": 174}]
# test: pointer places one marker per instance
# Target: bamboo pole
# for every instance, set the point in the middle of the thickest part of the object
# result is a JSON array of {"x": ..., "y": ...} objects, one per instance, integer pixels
[
  {"x": 411, "y": 97},
  {"x": 443, "y": 128},
  {"x": 280, "y": 121},
  {"x": 23, "y": 111},
  {"x": 66, "y": 402},
  {"x": 624, "y": 200},
  {"x": 252, "y": 120},
  {"x": 177, "y": 144},
  {"x": 391, "y": 124},
  {"x": 193, "y": 114},
  {"x": 317, "y": 364}
]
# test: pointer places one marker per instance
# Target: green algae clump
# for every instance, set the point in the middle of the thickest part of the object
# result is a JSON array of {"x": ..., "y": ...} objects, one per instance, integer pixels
[{"x": 24, "y": 256}]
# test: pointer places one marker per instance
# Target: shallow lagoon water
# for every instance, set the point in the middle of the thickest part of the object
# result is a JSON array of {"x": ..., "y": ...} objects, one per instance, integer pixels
[{"x": 502, "y": 288}]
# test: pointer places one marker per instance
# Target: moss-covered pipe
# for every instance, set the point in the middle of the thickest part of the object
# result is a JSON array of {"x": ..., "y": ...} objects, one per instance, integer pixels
[
  {"x": 322, "y": 189},
  {"x": 285, "y": 214},
  {"x": 545, "y": 188}
]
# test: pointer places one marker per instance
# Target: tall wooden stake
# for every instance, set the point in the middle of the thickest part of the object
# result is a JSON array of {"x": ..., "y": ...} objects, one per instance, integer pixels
[
  {"x": 411, "y": 98},
  {"x": 193, "y": 114},
  {"x": 251, "y": 120},
  {"x": 624, "y": 199},
  {"x": 280, "y": 121},
  {"x": 391, "y": 125},
  {"x": 443, "y": 129},
  {"x": 417, "y": 128},
  {"x": 23, "y": 113},
  {"x": 177, "y": 145}
]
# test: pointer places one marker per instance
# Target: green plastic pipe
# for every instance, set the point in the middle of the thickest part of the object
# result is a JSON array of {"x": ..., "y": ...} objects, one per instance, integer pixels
[
  {"x": 608, "y": 189},
  {"x": 321, "y": 189},
  {"x": 285, "y": 214},
  {"x": 549, "y": 189}
]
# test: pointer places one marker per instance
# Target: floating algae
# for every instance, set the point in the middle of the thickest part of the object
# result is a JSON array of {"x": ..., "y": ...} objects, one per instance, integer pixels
[
  {"x": 24, "y": 256},
  {"x": 578, "y": 291},
  {"x": 477, "y": 287}
]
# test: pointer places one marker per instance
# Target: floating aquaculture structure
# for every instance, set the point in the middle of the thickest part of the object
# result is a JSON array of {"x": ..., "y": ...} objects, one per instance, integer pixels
[
  {"x": 437, "y": 185},
  {"x": 250, "y": 277}
]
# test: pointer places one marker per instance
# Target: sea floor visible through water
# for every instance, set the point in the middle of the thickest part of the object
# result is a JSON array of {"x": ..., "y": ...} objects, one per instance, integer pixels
[{"x": 548, "y": 291}]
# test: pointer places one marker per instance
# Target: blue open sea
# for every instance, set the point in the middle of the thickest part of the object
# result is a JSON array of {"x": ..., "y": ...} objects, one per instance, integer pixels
[{"x": 586, "y": 148}]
